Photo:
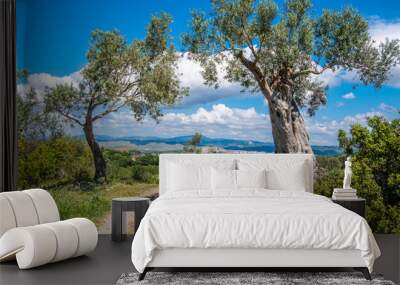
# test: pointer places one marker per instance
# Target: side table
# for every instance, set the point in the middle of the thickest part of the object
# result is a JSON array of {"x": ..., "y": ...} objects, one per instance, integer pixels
[
  {"x": 357, "y": 205},
  {"x": 121, "y": 205}
]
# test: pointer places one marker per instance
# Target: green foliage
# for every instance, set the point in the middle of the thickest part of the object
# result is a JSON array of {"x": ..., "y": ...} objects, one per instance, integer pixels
[
  {"x": 128, "y": 167},
  {"x": 191, "y": 145},
  {"x": 196, "y": 139},
  {"x": 73, "y": 203},
  {"x": 116, "y": 173},
  {"x": 53, "y": 162},
  {"x": 345, "y": 143},
  {"x": 33, "y": 123},
  {"x": 145, "y": 169},
  {"x": 140, "y": 75},
  {"x": 376, "y": 170},
  {"x": 120, "y": 158},
  {"x": 282, "y": 52},
  {"x": 147, "y": 159},
  {"x": 64, "y": 167},
  {"x": 343, "y": 40},
  {"x": 328, "y": 174},
  {"x": 145, "y": 173}
]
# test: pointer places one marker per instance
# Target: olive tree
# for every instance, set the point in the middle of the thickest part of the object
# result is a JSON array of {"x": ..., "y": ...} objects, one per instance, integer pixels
[
  {"x": 283, "y": 54},
  {"x": 191, "y": 146},
  {"x": 141, "y": 75}
]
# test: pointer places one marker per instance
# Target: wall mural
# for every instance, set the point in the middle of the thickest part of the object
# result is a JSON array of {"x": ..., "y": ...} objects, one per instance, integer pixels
[{"x": 104, "y": 87}]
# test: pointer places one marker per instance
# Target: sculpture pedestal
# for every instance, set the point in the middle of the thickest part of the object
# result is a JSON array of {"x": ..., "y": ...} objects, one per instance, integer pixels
[{"x": 344, "y": 194}]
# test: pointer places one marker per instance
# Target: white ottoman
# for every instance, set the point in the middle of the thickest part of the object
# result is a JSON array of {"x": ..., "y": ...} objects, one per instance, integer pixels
[{"x": 31, "y": 232}]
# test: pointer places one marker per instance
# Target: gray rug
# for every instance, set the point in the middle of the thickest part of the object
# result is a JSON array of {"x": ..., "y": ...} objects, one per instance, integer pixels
[{"x": 243, "y": 278}]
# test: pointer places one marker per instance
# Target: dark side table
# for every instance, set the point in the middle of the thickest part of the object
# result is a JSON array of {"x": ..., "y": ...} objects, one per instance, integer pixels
[
  {"x": 122, "y": 205},
  {"x": 357, "y": 205}
]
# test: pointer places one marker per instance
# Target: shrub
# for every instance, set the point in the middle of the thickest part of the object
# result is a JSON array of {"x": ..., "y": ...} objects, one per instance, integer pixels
[
  {"x": 328, "y": 175},
  {"x": 74, "y": 203},
  {"x": 375, "y": 154},
  {"x": 147, "y": 159},
  {"x": 145, "y": 173},
  {"x": 54, "y": 162},
  {"x": 119, "y": 158},
  {"x": 115, "y": 173}
]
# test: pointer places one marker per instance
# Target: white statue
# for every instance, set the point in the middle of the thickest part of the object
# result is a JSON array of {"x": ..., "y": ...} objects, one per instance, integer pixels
[{"x": 347, "y": 174}]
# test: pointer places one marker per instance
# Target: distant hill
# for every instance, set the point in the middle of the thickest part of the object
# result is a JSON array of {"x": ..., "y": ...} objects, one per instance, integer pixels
[{"x": 149, "y": 143}]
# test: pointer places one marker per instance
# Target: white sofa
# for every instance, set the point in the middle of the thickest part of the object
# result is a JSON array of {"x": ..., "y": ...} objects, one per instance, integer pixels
[{"x": 31, "y": 231}]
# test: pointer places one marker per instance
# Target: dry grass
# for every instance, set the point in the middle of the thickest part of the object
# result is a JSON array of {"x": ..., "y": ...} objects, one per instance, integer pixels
[
  {"x": 127, "y": 190},
  {"x": 95, "y": 204}
]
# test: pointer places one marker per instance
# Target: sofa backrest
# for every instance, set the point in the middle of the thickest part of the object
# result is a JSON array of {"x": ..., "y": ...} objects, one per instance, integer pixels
[
  {"x": 281, "y": 163},
  {"x": 26, "y": 208}
]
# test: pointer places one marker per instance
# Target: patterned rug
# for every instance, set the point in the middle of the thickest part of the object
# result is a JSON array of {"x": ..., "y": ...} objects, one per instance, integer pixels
[{"x": 243, "y": 278}]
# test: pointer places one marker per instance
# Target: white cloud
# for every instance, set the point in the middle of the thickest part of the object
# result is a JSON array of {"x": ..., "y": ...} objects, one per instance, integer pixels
[
  {"x": 335, "y": 78},
  {"x": 339, "y": 104},
  {"x": 324, "y": 131},
  {"x": 190, "y": 76},
  {"x": 39, "y": 81},
  {"x": 349, "y": 95},
  {"x": 220, "y": 121},
  {"x": 388, "y": 108},
  {"x": 394, "y": 77},
  {"x": 380, "y": 30},
  {"x": 219, "y": 114}
]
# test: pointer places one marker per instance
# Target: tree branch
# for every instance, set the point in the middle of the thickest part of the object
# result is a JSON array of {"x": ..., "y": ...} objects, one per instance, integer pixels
[
  {"x": 109, "y": 110},
  {"x": 70, "y": 117},
  {"x": 253, "y": 68},
  {"x": 113, "y": 107},
  {"x": 248, "y": 40},
  {"x": 313, "y": 71}
]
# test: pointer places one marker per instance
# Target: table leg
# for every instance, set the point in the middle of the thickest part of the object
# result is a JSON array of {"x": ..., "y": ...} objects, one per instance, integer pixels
[
  {"x": 140, "y": 211},
  {"x": 116, "y": 221}
]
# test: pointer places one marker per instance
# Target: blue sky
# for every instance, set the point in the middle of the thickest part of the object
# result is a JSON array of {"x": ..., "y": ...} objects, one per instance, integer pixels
[{"x": 53, "y": 36}]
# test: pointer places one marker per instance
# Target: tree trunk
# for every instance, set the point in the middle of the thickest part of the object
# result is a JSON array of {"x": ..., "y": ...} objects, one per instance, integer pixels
[
  {"x": 99, "y": 162},
  {"x": 288, "y": 126}
]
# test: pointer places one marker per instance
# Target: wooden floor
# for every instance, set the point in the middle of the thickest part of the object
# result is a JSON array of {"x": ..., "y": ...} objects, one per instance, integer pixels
[{"x": 111, "y": 259}]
